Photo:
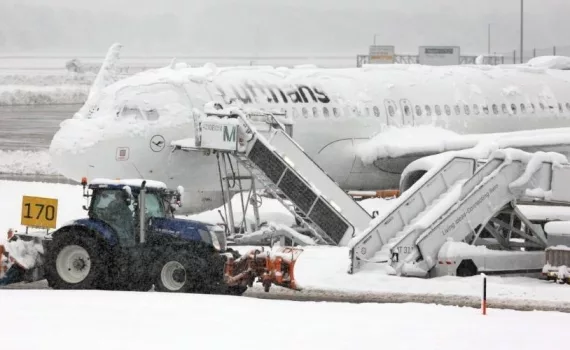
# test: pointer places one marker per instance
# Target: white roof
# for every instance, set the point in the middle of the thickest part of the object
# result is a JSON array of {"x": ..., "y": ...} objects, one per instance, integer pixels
[{"x": 129, "y": 182}]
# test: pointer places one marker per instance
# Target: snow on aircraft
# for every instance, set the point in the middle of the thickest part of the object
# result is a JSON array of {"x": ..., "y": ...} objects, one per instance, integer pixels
[{"x": 126, "y": 126}]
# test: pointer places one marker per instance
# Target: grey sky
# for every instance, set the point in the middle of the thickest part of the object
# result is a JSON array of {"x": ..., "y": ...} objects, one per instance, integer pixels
[{"x": 276, "y": 27}]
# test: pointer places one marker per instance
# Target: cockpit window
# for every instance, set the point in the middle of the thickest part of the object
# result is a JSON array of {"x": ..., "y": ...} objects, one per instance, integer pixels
[
  {"x": 130, "y": 111},
  {"x": 153, "y": 102}
]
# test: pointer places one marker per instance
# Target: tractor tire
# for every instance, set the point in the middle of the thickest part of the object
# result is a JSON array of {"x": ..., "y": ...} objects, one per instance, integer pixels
[
  {"x": 75, "y": 261},
  {"x": 178, "y": 271}
]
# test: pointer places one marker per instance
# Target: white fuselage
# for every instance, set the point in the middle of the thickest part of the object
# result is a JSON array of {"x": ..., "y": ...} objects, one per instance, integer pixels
[{"x": 126, "y": 131}]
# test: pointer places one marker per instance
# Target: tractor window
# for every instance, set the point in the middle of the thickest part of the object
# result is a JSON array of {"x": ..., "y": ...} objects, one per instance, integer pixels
[
  {"x": 105, "y": 200},
  {"x": 112, "y": 207},
  {"x": 154, "y": 206}
]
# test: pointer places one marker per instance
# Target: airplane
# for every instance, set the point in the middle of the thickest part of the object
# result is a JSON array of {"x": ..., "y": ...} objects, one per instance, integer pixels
[{"x": 125, "y": 127}]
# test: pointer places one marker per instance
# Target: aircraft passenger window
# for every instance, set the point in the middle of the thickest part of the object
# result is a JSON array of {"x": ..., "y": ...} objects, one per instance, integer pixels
[
  {"x": 514, "y": 108},
  {"x": 336, "y": 112},
  {"x": 486, "y": 109},
  {"x": 419, "y": 111},
  {"x": 447, "y": 110},
  {"x": 428, "y": 110},
  {"x": 457, "y": 110},
  {"x": 560, "y": 108},
  {"x": 376, "y": 111},
  {"x": 437, "y": 110},
  {"x": 315, "y": 112},
  {"x": 305, "y": 112},
  {"x": 391, "y": 111},
  {"x": 523, "y": 108},
  {"x": 367, "y": 112},
  {"x": 326, "y": 112},
  {"x": 542, "y": 106},
  {"x": 407, "y": 111},
  {"x": 495, "y": 109},
  {"x": 295, "y": 113},
  {"x": 466, "y": 109},
  {"x": 568, "y": 106},
  {"x": 476, "y": 109},
  {"x": 504, "y": 108}
]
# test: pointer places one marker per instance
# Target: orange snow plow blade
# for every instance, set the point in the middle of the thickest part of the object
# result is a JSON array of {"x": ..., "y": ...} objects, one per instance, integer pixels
[{"x": 268, "y": 267}]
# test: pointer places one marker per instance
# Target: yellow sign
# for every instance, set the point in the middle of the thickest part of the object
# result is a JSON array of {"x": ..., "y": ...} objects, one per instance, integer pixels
[{"x": 39, "y": 212}]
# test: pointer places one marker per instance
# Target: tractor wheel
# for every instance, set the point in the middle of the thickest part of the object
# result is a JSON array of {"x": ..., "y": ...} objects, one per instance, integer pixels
[
  {"x": 178, "y": 272},
  {"x": 75, "y": 261}
]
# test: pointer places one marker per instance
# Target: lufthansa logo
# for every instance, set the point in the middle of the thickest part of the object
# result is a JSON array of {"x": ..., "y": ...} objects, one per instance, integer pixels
[{"x": 157, "y": 143}]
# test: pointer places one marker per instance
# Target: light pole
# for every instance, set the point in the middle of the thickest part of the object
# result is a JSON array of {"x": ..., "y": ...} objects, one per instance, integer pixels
[
  {"x": 489, "y": 39},
  {"x": 375, "y": 39},
  {"x": 522, "y": 32}
]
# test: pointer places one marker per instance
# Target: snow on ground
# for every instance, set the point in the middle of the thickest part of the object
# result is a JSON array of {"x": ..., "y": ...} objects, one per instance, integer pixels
[
  {"x": 26, "y": 162},
  {"x": 14, "y": 95},
  {"x": 44, "y": 88},
  {"x": 129, "y": 320},
  {"x": 323, "y": 268},
  {"x": 46, "y": 78}
]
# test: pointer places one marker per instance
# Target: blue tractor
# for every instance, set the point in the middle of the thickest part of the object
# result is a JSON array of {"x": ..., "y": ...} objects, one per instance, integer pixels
[{"x": 132, "y": 241}]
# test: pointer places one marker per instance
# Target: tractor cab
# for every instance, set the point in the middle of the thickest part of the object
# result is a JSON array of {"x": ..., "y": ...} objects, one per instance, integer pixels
[{"x": 117, "y": 204}]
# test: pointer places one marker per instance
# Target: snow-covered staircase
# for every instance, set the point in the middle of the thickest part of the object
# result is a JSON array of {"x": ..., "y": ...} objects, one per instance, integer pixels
[
  {"x": 277, "y": 162},
  {"x": 409, "y": 206},
  {"x": 499, "y": 182},
  {"x": 403, "y": 244}
]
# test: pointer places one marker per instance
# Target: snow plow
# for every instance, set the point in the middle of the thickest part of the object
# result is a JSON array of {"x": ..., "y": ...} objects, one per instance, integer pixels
[
  {"x": 269, "y": 268},
  {"x": 130, "y": 240}
]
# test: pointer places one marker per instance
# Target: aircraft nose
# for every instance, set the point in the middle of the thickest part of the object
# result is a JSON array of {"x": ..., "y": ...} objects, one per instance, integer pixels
[{"x": 71, "y": 148}]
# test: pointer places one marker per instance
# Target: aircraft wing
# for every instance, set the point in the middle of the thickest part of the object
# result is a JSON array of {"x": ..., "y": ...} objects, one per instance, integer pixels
[{"x": 423, "y": 141}]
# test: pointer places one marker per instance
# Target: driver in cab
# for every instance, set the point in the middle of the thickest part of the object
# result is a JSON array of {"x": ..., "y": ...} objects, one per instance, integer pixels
[{"x": 121, "y": 216}]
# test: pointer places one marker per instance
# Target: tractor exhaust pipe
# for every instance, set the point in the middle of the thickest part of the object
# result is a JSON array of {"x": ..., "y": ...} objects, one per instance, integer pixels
[{"x": 142, "y": 212}]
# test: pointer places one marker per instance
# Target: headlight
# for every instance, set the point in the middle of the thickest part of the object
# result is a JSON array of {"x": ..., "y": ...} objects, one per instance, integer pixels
[
  {"x": 220, "y": 236},
  {"x": 215, "y": 241},
  {"x": 208, "y": 237}
]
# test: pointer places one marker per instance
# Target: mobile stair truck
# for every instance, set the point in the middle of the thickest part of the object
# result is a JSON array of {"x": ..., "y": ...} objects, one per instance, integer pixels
[{"x": 462, "y": 219}]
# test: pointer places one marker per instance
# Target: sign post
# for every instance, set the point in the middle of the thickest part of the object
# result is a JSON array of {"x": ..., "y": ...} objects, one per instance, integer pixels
[{"x": 484, "y": 296}]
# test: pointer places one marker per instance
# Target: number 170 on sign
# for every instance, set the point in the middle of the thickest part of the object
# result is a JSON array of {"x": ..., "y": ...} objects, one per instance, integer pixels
[{"x": 39, "y": 212}]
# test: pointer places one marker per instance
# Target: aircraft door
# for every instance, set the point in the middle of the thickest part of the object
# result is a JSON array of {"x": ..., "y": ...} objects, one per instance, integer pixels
[
  {"x": 407, "y": 112},
  {"x": 393, "y": 113}
]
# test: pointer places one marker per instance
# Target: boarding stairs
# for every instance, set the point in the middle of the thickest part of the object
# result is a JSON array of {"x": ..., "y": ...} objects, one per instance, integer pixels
[
  {"x": 396, "y": 224},
  {"x": 475, "y": 205},
  {"x": 282, "y": 167}
]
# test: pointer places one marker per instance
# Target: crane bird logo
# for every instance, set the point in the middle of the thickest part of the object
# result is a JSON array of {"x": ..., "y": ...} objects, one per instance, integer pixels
[{"x": 157, "y": 143}]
